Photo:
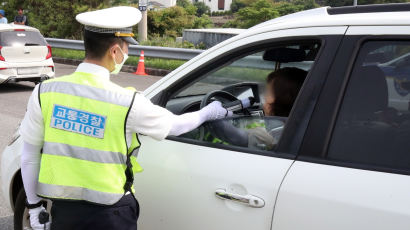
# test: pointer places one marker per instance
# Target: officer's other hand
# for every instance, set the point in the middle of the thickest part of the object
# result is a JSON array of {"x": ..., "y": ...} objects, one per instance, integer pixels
[
  {"x": 215, "y": 111},
  {"x": 34, "y": 219}
]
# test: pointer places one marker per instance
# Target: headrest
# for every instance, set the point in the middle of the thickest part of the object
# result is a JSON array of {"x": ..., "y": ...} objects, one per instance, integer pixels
[
  {"x": 284, "y": 55},
  {"x": 367, "y": 92}
]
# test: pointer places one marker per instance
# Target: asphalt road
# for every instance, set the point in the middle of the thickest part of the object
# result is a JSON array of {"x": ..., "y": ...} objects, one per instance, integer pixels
[{"x": 13, "y": 102}]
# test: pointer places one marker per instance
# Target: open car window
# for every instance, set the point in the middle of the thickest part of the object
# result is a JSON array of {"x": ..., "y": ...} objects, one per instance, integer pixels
[
  {"x": 244, "y": 77},
  {"x": 261, "y": 133}
]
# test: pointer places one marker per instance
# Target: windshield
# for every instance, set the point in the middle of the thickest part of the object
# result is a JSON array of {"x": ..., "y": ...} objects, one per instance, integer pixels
[{"x": 21, "y": 38}]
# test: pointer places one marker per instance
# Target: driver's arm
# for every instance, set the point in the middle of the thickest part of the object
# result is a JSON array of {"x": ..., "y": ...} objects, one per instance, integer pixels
[{"x": 227, "y": 132}]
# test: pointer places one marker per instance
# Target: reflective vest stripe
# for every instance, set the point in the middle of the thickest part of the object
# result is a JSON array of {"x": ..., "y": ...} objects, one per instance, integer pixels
[
  {"x": 103, "y": 177},
  {"x": 87, "y": 92},
  {"x": 82, "y": 153},
  {"x": 77, "y": 193}
]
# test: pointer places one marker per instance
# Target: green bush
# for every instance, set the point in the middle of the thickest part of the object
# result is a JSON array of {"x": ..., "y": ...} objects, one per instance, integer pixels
[
  {"x": 171, "y": 21},
  {"x": 249, "y": 14},
  {"x": 260, "y": 11},
  {"x": 201, "y": 8},
  {"x": 236, "y": 5},
  {"x": 202, "y": 22},
  {"x": 54, "y": 18}
]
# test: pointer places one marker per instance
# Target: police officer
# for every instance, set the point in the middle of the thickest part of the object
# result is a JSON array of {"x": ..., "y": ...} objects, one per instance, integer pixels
[{"x": 80, "y": 133}]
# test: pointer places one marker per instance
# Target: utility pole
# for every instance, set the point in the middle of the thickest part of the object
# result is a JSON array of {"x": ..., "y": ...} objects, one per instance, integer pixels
[
  {"x": 142, "y": 26},
  {"x": 355, "y": 2}
]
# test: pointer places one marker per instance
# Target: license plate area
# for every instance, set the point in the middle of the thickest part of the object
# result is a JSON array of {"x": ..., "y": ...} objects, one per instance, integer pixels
[{"x": 27, "y": 71}]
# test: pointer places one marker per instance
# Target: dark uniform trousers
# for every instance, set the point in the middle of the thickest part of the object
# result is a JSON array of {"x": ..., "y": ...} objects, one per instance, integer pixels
[{"x": 79, "y": 215}]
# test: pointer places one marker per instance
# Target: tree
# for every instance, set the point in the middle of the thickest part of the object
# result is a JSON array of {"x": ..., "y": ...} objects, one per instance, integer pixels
[
  {"x": 171, "y": 21},
  {"x": 285, "y": 8},
  {"x": 201, "y": 8},
  {"x": 187, "y": 5},
  {"x": 183, "y": 3},
  {"x": 202, "y": 22},
  {"x": 236, "y": 5},
  {"x": 54, "y": 18},
  {"x": 260, "y": 11},
  {"x": 306, "y": 4}
]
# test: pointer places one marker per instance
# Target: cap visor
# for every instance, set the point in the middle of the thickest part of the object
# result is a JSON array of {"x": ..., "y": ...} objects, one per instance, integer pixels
[{"x": 130, "y": 40}]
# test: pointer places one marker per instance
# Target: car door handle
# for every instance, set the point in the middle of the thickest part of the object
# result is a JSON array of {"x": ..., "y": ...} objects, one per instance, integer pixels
[{"x": 250, "y": 200}]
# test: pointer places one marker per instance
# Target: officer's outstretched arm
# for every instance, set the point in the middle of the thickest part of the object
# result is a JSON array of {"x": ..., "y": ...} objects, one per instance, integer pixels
[{"x": 189, "y": 121}]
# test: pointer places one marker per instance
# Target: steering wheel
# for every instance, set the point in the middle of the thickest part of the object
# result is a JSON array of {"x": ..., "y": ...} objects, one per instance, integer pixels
[{"x": 223, "y": 97}]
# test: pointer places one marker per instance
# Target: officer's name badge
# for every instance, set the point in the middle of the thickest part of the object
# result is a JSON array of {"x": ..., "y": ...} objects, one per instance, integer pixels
[{"x": 78, "y": 121}]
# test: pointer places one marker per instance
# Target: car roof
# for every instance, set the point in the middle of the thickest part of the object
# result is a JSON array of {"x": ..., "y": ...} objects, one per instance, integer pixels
[
  {"x": 12, "y": 26},
  {"x": 382, "y": 14}
]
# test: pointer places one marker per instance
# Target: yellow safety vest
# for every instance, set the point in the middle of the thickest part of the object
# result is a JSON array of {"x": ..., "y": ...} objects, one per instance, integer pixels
[{"x": 85, "y": 153}]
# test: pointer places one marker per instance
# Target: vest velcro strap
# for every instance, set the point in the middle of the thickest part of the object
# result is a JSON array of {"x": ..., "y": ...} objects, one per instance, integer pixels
[{"x": 129, "y": 175}]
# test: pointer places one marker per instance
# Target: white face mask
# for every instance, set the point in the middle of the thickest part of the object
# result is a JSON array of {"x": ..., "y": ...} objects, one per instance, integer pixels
[{"x": 117, "y": 67}]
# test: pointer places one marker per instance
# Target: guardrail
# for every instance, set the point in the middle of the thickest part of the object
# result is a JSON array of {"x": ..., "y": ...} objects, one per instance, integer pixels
[
  {"x": 134, "y": 50},
  {"x": 255, "y": 62}
]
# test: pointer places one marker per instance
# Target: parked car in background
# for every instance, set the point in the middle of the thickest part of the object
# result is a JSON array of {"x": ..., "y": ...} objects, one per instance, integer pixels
[
  {"x": 24, "y": 55},
  {"x": 340, "y": 161}
]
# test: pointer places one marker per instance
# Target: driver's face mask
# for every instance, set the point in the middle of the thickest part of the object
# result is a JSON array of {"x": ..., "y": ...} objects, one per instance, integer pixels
[{"x": 117, "y": 67}]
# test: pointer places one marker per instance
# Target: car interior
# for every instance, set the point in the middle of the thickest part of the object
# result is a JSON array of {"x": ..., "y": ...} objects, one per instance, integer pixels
[
  {"x": 376, "y": 112},
  {"x": 239, "y": 79}
]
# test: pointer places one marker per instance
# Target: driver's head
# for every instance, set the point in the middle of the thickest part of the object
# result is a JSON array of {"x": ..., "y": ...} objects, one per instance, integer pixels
[{"x": 282, "y": 88}]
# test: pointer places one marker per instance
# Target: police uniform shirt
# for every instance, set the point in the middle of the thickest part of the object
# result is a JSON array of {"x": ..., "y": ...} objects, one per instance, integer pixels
[{"x": 143, "y": 118}]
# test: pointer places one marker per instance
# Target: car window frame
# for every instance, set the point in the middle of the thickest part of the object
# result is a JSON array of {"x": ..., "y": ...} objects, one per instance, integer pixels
[
  {"x": 328, "y": 45},
  {"x": 315, "y": 149}
]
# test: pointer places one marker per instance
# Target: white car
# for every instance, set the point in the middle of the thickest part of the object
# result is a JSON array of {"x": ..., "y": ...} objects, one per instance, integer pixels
[
  {"x": 24, "y": 55},
  {"x": 341, "y": 161}
]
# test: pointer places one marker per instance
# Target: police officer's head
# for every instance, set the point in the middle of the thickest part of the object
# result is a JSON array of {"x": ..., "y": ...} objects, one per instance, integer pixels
[
  {"x": 107, "y": 34},
  {"x": 105, "y": 48}
]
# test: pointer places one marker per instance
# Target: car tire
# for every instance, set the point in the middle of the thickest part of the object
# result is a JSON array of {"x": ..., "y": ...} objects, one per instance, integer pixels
[{"x": 21, "y": 217}]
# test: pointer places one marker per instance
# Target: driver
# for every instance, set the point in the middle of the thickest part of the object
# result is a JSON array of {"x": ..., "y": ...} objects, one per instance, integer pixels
[{"x": 282, "y": 88}]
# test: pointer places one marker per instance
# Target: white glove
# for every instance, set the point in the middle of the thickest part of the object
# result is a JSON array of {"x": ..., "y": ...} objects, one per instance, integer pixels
[
  {"x": 214, "y": 111},
  {"x": 34, "y": 221}
]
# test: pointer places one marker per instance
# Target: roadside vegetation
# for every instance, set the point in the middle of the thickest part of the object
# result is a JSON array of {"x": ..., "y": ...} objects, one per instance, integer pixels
[
  {"x": 157, "y": 63},
  {"x": 56, "y": 18}
]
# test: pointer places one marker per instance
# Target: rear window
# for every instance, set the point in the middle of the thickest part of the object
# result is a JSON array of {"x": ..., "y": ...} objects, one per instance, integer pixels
[{"x": 21, "y": 38}]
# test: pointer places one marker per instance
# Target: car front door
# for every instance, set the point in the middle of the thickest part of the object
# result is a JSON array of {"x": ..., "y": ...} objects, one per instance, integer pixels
[
  {"x": 189, "y": 183},
  {"x": 354, "y": 165}
]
